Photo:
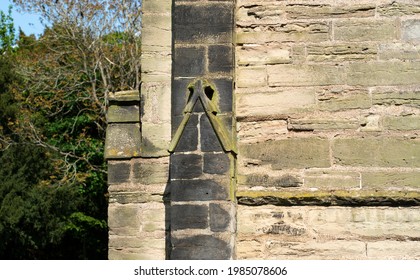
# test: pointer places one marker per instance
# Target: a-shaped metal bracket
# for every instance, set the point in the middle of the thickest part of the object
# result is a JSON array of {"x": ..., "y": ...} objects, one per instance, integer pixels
[{"x": 203, "y": 91}]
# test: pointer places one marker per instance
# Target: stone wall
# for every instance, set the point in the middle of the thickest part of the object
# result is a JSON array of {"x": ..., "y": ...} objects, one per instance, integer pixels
[
  {"x": 269, "y": 130},
  {"x": 328, "y": 114}
]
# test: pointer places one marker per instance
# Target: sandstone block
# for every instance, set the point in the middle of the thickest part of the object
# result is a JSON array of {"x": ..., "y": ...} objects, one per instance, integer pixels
[
  {"x": 263, "y": 55},
  {"x": 338, "y": 99},
  {"x": 155, "y": 139},
  {"x": 322, "y": 124},
  {"x": 383, "y": 73},
  {"x": 257, "y": 180},
  {"x": 401, "y": 122},
  {"x": 157, "y": 31},
  {"x": 396, "y": 250},
  {"x": 401, "y": 51},
  {"x": 407, "y": 97},
  {"x": 308, "y": 11},
  {"x": 398, "y": 9},
  {"x": 259, "y": 131},
  {"x": 312, "y": 250},
  {"x": 251, "y": 76},
  {"x": 122, "y": 141},
  {"x": 328, "y": 180},
  {"x": 121, "y": 114},
  {"x": 200, "y": 247},
  {"x": 342, "y": 52},
  {"x": 305, "y": 75},
  {"x": 379, "y": 152},
  {"x": 123, "y": 219},
  {"x": 189, "y": 216},
  {"x": 156, "y": 102},
  {"x": 365, "y": 30},
  {"x": 157, "y": 6},
  {"x": 391, "y": 180},
  {"x": 411, "y": 30},
  {"x": 150, "y": 171},
  {"x": 282, "y": 101},
  {"x": 289, "y": 153},
  {"x": 118, "y": 172},
  {"x": 289, "y": 32}
]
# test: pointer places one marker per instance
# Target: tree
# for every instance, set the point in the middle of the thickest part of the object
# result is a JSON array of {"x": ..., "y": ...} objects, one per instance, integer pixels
[
  {"x": 7, "y": 31},
  {"x": 57, "y": 96}
]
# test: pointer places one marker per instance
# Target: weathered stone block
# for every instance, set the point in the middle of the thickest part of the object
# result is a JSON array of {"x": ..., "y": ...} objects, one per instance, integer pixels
[
  {"x": 398, "y": 9},
  {"x": 396, "y": 250},
  {"x": 150, "y": 171},
  {"x": 401, "y": 122},
  {"x": 123, "y": 219},
  {"x": 332, "y": 180},
  {"x": 260, "y": 131},
  {"x": 411, "y": 30},
  {"x": 220, "y": 217},
  {"x": 216, "y": 163},
  {"x": 220, "y": 58},
  {"x": 322, "y": 124},
  {"x": 282, "y": 101},
  {"x": 156, "y": 102},
  {"x": 180, "y": 94},
  {"x": 200, "y": 247},
  {"x": 186, "y": 166},
  {"x": 258, "y": 13},
  {"x": 194, "y": 24},
  {"x": 189, "y": 138},
  {"x": 154, "y": 221},
  {"x": 124, "y": 96},
  {"x": 157, "y": 6},
  {"x": 288, "y": 32},
  {"x": 402, "y": 51},
  {"x": 189, "y": 216},
  {"x": 122, "y": 141},
  {"x": 391, "y": 179},
  {"x": 121, "y": 114},
  {"x": 251, "y": 76},
  {"x": 263, "y": 55},
  {"x": 118, "y": 172},
  {"x": 365, "y": 30},
  {"x": 224, "y": 89},
  {"x": 311, "y": 11},
  {"x": 313, "y": 250},
  {"x": 157, "y": 33},
  {"x": 250, "y": 249},
  {"x": 256, "y": 180},
  {"x": 209, "y": 140},
  {"x": 383, "y": 73},
  {"x": 386, "y": 97},
  {"x": 155, "y": 139},
  {"x": 305, "y": 75},
  {"x": 378, "y": 152},
  {"x": 341, "y": 52},
  {"x": 198, "y": 190},
  {"x": 289, "y": 153},
  {"x": 338, "y": 99},
  {"x": 189, "y": 62},
  {"x": 153, "y": 65}
]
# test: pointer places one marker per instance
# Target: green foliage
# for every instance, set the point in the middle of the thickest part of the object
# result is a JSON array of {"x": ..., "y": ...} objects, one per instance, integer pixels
[
  {"x": 52, "y": 178},
  {"x": 7, "y": 31}
]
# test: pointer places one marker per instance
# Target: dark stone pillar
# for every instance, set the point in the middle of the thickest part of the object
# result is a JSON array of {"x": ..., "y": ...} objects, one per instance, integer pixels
[{"x": 202, "y": 177}]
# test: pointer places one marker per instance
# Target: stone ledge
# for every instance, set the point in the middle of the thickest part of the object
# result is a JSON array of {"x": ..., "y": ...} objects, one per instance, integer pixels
[{"x": 330, "y": 198}]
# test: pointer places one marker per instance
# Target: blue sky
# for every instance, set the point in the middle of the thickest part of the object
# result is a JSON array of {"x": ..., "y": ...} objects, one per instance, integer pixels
[{"x": 29, "y": 23}]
